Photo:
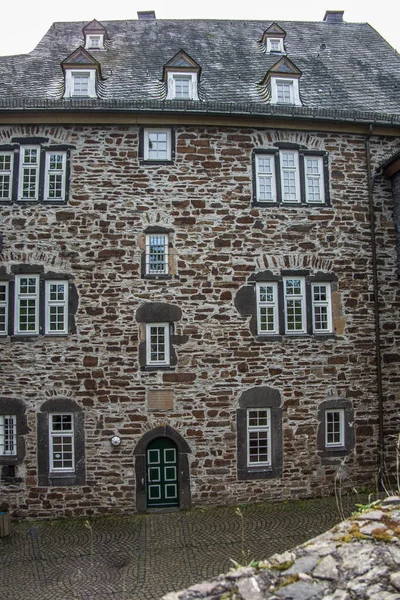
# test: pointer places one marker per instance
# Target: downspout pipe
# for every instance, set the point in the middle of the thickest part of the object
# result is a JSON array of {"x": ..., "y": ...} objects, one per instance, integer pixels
[{"x": 371, "y": 181}]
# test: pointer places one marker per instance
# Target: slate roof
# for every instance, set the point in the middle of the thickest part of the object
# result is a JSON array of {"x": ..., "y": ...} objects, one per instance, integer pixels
[{"x": 344, "y": 66}]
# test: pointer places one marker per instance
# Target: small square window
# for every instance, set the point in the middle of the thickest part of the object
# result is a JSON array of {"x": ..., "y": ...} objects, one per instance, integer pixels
[
  {"x": 334, "y": 428},
  {"x": 157, "y": 344},
  {"x": 80, "y": 84},
  {"x": 157, "y": 144},
  {"x": 182, "y": 86},
  {"x": 274, "y": 44},
  {"x": 285, "y": 91}
]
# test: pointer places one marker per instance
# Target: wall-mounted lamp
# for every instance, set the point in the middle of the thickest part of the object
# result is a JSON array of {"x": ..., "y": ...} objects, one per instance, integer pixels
[{"x": 115, "y": 440}]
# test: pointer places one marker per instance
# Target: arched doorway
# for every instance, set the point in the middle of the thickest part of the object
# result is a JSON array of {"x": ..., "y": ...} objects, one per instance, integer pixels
[
  {"x": 162, "y": 439},
  {"x": 162, "y": 473}
]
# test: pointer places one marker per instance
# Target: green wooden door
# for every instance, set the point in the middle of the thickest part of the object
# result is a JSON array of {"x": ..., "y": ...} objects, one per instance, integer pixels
[{"x": 162, "y": 473}]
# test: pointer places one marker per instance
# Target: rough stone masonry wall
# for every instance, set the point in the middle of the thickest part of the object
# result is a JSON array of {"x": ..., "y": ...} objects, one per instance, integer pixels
[
  {"x": 357, "y": 559},
  {"x": 219, "y": 240}
]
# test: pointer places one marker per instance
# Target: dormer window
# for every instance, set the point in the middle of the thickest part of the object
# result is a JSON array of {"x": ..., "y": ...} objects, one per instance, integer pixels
[
  {"x": 94, "y": 42},
  {"x": 285, "y": 91},
  {"x": 281, "y": 83},
  {"x": 181, "y": 75},
  {"x": 95, "y": 34},
  {"x": 81, "y": 73},
  {"x": 182, "y": 86},
  {"x": 80, "y": 84},
  {"x": 273, "y": 39},
  {"x": 274, "y": 44}
]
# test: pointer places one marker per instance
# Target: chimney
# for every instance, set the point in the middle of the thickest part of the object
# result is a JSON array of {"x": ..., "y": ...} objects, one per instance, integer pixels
[
  {"x": 334, "y": 16},
  {"x": 146, "y": 15}
]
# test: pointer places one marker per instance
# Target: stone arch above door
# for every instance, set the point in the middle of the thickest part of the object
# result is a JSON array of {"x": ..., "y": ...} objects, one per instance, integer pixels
[{"x": 183, "y": 462}]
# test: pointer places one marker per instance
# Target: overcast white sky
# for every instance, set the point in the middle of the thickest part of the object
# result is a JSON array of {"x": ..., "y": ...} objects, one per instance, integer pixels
[{"x": 24, "y": 22}]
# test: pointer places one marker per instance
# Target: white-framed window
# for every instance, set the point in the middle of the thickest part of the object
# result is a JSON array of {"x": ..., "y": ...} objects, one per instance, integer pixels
[
  {"x": 55, "y": 175},
  {"x": 314, "y": 179},
  {"x": 29, "y": 173},
  {"x": 265, "y": 178},
  {"x": 80, "y": 83},
  {"x": 8, "y": 435},
  {"x": 182, "y": 86},
  {"x": 157, "y": 344},
  {"x": 56, "y": 307},
  {"x": 94, "y": 42},
  {"x": 295, "y": 305},
  {"x": 157, "y": 144},
  {"x": 61, "y": 438},
  {"x": 321, "y": 307},
  {"x": 334, "y": 428},
  {"x": 3, "y": 307},
  {"x": 274, "y": 44},
  {"x": 27, "y": 304},
  {"x": 285, "y": 91},
  {"x": 286, "y": 182},
  {"x": 258, "y": 437},
  {"x": 157, "y": 254},
  {"x": 290, "y": 177},
  {"x": 6, "y": 170},
  {"x": 267, "y": 308}
]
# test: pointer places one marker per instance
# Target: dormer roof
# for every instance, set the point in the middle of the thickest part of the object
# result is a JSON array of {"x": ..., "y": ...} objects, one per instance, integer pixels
[
  {"x": 181, "y": 61},
  {"x": 274, "y": 31},
  {"x": 283, "y": 68},
  {"x": 94, "y": 27},
  {"x": 81, "y": 59}
]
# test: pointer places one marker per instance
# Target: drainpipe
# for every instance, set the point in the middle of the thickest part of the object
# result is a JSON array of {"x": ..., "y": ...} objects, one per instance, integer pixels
[{"x": 371, "y": 181}]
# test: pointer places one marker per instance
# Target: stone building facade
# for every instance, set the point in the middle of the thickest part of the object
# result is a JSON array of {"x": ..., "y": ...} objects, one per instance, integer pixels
[{"x": 199, "y": 300}]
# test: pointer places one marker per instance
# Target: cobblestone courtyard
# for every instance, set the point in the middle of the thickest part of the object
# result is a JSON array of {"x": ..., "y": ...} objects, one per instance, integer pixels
[{"x": 142, "y": 557}]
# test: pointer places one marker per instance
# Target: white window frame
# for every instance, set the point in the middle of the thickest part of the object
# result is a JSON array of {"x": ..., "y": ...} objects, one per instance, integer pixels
[
  {"x": 6, "y": 175},
  {"x": 24, "y": 167},
  {"x": 291, "y": 298},
  {"x": 271, "y": 40},
  {"x": 70, "y": 75},
  {"x": 318, "y": 303},
  {"x": 289, "y": 170},
  {"x": 26, "y": 297},
  {"x": 151, "y": 362},
  {"x": 8, "y": 435},
  {"x": 147, "y": 154},
  {"x": 4, "y": 304},
  {"x": 171, "y": 83},
  {"x": 91, "y": 37},
  {"x": 160, "y": 258},
  {"x": 267, "y": 305},
  {"x": 58, "y": 173},
  {"x": 294, "y": 91},
  {"x": 312, "y": 178},
  {"x": 338, "y": 429},
  {"x": 57, "y": 304},
  {"x": 67, "y": 433},
  {"x": 258, "y": 429},
  {"x": 264, "y": 176}
]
